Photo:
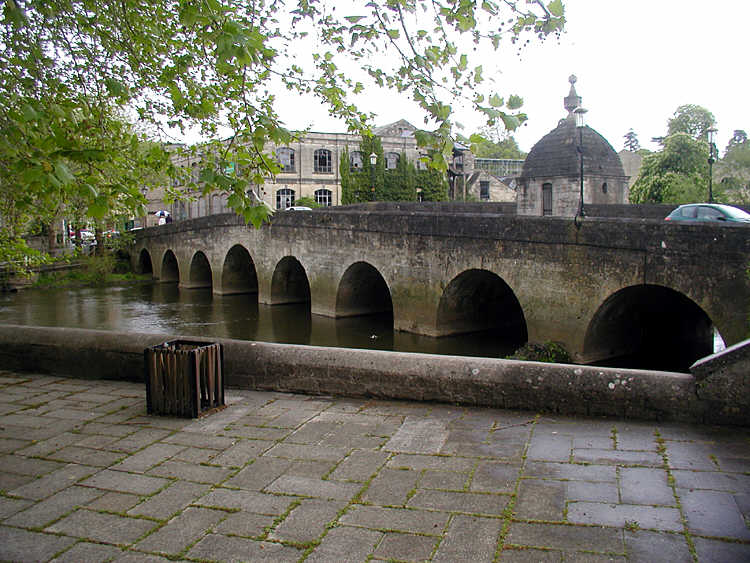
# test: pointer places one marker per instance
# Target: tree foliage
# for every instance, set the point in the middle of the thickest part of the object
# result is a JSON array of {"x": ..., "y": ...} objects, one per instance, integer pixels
[
  {"x": 76, "y": 74},
  {"x": 631, "y": 141},
  {"x": 676, "y": 174},
  {"x": 692, "y": 120},
  {"x": 734, "y": 169},
  {"x": 489, "y": 144}
]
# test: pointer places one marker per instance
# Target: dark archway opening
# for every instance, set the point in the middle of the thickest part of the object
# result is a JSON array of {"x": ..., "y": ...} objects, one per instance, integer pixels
[
  {"x": 238, "y": 274},
  {"x": 170, "y": 271},
  {"x": 144, "y": 265},
  {"x": 362, "y": 291},
  {"x": 479, "y": 301},
  {"x": 364, "y": 308},
  {"x": 289, "y": 283},
  {"x": 648, "y": 327},
  {"x": 200, "y": 271}
]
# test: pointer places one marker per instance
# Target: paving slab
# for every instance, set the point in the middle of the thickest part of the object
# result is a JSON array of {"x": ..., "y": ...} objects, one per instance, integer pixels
[
  {"x": 282, "y": 477},
  {"x": 102, "y": 527}
]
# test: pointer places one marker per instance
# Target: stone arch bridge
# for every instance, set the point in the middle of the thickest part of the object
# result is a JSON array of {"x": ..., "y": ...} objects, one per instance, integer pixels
[{"x": 640, "y": 292}]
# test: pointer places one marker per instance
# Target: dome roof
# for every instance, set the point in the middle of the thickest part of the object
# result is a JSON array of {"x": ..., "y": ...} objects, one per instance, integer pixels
[{"x": 556, "y": 154}]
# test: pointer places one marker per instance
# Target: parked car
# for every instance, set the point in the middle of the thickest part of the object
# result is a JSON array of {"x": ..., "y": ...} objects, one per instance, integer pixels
[
  {"x": 708, "y": 212},
  {"x": 298, "y": 208}
]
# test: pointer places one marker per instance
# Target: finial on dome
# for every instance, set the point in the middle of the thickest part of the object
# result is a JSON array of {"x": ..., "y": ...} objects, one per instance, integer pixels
[{"x": 572, "y": 100}]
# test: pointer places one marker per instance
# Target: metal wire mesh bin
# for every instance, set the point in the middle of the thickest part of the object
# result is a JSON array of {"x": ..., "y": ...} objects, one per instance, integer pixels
[{"x": 184, "y": 378}]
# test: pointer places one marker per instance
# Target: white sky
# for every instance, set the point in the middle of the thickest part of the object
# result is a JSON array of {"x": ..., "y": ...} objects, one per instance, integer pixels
[{"x": 636, "y": 62}]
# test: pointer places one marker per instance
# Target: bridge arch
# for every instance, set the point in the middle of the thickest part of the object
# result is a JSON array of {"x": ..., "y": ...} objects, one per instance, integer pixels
[
  {"x": 479, "y": 300},
  {"x": 144, "y": 265},
  {"x": 170, "y": 269},
  {"x": 362, "y": 291},
  {"x": 289, "y": 283},
  {"x": 238, "y": 274},
  {"x": 200, "y": 272},
  {"x": 650, "y": 327}
]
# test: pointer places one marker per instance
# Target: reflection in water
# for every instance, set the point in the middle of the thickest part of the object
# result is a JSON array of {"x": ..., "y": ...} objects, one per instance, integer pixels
[{"x": 163, "y": 308}]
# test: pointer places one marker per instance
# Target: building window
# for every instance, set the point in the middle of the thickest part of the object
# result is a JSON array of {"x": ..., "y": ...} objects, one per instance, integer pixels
[
  {"x": 604, "y": 187},
  {"x": 286, "y": 159},
  {"x": 484, "y": 190},
  {"x": 420, "y": 194},
  {"x": 284, "y": 198},
  {"x": 322, "y": 161},
  {"x": 355, "y": 161},
  {"x": 421, "y": 162},
  {"x": 546, "y": 199},
  {"x": 323, "y": 197},
  {"x": 458, "y": 162},
  {"x": 391, "y": 160}
]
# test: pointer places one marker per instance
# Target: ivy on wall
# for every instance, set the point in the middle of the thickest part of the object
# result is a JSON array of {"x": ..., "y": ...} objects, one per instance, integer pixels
[{"x": 379, "y": 184}]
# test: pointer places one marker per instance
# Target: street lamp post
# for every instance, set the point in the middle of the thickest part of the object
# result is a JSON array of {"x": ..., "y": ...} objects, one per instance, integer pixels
[
  {"x": 580, "y": 113},
  {"x": 711, "y": 160},
  {"x": 373, "y": 161}
]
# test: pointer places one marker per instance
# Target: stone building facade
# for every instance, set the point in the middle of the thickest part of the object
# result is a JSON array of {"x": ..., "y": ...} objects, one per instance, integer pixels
[
  {"x": 551, "y": 179},
  {"x": 311, "y": 169}
]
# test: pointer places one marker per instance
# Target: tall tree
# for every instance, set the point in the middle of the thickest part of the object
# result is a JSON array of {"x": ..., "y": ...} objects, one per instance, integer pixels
[
  {"x": 631, "y": 141},
  {"x": 734, "y": 169},
  {"x": 692, "y": 120},
  {"x": 676, "y": 174}
]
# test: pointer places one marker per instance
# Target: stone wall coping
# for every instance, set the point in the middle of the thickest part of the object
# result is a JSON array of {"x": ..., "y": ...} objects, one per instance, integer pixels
[
  {"x": 739, "y": 352},
  {"x": 541, "y": 387}
]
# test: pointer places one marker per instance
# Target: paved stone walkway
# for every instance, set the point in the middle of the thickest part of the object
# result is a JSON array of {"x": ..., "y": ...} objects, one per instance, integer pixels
[{"x": 85, "y": 475}]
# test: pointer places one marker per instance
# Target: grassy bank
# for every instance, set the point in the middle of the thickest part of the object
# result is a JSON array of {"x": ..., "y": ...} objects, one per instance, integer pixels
[{"x": 91, "y": 271}]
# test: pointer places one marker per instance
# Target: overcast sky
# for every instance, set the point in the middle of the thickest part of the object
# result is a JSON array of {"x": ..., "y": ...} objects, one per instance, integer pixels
[{"x": 636, "y": 61}]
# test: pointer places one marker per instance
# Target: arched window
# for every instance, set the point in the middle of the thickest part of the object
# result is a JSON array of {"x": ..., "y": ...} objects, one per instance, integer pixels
[
  {"x": 355, "y": 161},
  {"x": 323, "y": 197},
  {"x": 286, "y": 159},
  {"x": 322, "y": 161},
  {"x": 284, "y": 198},
  {"x": 604, "y": 187},
  {"x": 391, "y": 160},
  {"x": 546, "y": 199}
]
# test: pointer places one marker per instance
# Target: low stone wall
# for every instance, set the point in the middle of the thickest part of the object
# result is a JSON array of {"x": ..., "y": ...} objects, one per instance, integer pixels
[
  {"x": 724, "y": 384},
  {"x": 550, "y": 388}
]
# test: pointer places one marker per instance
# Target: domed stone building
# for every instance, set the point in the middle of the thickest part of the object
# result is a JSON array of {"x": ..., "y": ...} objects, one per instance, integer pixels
[{"x": 550, "y": 182}]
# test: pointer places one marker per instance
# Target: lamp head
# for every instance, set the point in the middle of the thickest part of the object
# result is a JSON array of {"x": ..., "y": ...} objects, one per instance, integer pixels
[{"x": 580, "y": 114}]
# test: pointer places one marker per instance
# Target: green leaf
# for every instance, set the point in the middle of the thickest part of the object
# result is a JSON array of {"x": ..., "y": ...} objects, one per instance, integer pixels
[
  {"x": 29, "y": 113},
  {"x": 63, "y": 173},
  {"x": 496, "y": 101},
  {"x": 556, "y": 8},
  {"x": 353, "y": 19},
  {"x": 515, "y": 102},
  {"x": 116, "y": 88},
  {"x": 98, "y": 209}
]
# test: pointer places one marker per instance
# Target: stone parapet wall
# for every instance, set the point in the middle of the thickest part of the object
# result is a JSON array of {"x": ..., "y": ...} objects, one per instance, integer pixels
[{"x": 551, "y": 388}]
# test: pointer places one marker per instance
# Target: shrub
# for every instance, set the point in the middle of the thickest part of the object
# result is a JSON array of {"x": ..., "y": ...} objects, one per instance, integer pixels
[{"x": 551, "y": 352}]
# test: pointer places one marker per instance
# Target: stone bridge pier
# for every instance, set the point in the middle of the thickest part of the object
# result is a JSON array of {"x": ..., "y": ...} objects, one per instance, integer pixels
[{"x": 605, "y": 288}]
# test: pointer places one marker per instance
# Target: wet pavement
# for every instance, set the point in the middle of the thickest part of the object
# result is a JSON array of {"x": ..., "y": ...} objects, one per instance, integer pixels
[{"x": 86, "y": 475}]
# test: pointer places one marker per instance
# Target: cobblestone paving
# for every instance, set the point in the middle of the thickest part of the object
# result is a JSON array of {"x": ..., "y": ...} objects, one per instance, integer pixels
[{"x": 85, "y": 475}]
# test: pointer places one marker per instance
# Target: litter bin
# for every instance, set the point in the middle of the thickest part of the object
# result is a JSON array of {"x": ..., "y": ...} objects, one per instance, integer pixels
[{"x": 184, "y": 378}]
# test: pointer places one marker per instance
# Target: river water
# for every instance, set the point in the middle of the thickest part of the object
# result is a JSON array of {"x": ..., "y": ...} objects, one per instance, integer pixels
[{"x": 163, "y": 308}]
